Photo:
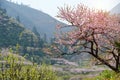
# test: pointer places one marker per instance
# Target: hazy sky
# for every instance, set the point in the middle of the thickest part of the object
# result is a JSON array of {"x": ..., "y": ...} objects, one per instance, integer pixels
[{"x": 50, "y": 6}]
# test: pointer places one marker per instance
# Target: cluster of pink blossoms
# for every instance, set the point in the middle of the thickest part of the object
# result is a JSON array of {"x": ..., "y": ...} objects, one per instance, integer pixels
[{"x": 88, "y": 25}]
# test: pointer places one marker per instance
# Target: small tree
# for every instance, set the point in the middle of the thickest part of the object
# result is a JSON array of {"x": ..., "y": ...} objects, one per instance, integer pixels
[{"x": 92, "y": 31}]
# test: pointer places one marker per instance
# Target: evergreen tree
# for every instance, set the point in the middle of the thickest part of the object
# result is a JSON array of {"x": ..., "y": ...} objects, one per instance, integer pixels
[
  {"x": 35, "y": 31},
  {"x": 42, "y": 41},
  {"x": 45, "y": 38},
  {"x": 18, "y": 18}
]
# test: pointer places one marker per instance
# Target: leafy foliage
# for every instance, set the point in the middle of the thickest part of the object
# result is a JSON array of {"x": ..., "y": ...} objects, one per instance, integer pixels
[
  {"x": 14, "y": 69},
  {"x": 106, "y": 75},
  {"x": 27, "y": 38}
]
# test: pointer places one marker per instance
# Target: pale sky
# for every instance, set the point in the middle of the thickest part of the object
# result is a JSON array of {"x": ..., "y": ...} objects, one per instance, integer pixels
[{"x": 50, "y": 6}]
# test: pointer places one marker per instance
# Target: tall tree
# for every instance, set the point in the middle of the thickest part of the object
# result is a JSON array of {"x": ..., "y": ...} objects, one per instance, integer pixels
[
  {"x": 18, "y": 18},
  {"x": 35, "y": 31},
  {"x": 40, "y": 42},
  {"x": 93, "y": 31},
  {"x": 45, "y": 38}
]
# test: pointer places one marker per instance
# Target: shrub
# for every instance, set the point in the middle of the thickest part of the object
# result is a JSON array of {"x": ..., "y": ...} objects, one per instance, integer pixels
[
  {"x": 12, "y": 69},
  {"x": 106, "y": 75}
]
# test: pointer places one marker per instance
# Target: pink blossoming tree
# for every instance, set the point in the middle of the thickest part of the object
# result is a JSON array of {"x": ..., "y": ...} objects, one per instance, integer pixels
[{"x": 92, "y": 31}]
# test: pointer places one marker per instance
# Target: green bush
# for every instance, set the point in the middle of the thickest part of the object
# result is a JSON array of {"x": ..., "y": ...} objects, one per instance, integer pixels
[
  {"x": 14, "y": 69},
  {"x": 106, "y": 75}
]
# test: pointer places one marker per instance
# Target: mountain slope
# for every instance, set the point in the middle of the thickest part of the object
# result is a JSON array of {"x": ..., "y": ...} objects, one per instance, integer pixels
[
  {"x": 12, "y": 32},
  {"x": 30, "y": 17},
  {"x": 15, "y": 36},
  {"x": 116, "y": 9}
]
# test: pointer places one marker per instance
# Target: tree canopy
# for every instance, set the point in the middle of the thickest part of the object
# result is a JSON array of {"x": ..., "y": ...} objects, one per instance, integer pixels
[{"x": 92, "y": 31}]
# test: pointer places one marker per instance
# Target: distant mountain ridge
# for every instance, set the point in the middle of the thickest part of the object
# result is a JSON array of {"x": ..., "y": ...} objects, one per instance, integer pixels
[
  {"x": 30, "y": 17},
  {"x": 116, "y": 9}
]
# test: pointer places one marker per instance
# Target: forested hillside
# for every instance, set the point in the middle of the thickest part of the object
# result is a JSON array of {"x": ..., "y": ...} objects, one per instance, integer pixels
[
  {"x": 30, "y": 17},
  {"x": 13, "y": 33}
]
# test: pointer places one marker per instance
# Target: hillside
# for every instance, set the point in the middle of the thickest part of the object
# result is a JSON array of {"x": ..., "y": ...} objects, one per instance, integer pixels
[
  {"x": 15, "y": 36},
  {"x": 30, "y": 17},
  {"x": 12, "y": 32},
  {"x": 9, "y": 30},
  {"x": 116, "y": 9}
]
